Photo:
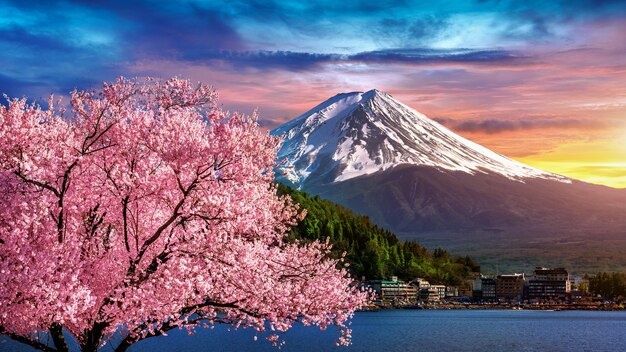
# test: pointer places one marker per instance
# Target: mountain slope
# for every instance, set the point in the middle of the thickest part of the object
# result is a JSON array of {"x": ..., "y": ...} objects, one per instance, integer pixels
[
  {"x": 356, "y": 134},
  {"x": 410, "y": 198},
  {"x": 413, "y": 176}
]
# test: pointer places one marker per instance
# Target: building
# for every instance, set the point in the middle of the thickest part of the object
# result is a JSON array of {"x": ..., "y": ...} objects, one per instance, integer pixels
[
  {"x": 484, "y": 287},
  {"x": 393, "y": 290},
  {"x": 452, "y": 291},
  {"x": 477, "y": 288},
  {"x": 510, "y": 286},
  {"x": 488, "y": 288},
  {"x": 441, "y": 290},
  {"x": 549, "y": 283},
  {"x": 466, "y": 291},
  {"x": 420, "y": 283},
  {"x": 430, "y": 294}
]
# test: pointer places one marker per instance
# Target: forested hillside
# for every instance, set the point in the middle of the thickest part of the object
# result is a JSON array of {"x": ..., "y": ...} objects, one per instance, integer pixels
[{"x": 373, "y": 252}]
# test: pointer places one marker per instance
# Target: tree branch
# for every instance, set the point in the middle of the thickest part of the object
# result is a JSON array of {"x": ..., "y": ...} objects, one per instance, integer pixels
[
  {"x": 19, "y": 174},
  {"x": 168, "y": 325},
  {"x": 27, "y": 341},
  {"x": 64, "y": 186},
  {"x": 125, "y": 222},
  {"x": 128, "y": 340},
  {"x": 159, "y": 231}
]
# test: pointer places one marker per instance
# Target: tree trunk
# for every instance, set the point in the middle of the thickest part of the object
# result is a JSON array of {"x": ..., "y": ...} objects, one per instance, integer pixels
[
  {"x": 92, "y": 338},
  {"x": 123, "y": 346},
  {"x": 56, "y": 332}
]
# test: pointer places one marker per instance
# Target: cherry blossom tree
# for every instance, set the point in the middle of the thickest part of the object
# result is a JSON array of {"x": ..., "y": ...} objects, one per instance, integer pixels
[{"x": 141, "y": 208}]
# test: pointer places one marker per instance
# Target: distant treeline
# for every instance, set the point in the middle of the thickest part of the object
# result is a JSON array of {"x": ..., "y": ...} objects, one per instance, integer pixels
[
  {"x": 375, "y": 253},
  {"x": 609, "y": 285}
]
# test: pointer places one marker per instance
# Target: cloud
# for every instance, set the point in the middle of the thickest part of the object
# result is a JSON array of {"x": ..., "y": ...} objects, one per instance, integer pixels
[
  {"x": 268, "y": 60},
  {"x": 494, "y": 126},
  {"x": 617, "y": 171},
  {"x": 428, "y": 56},
  {"x": 22, "y": 37},
  {"x": 169, "y": 29},
  {"x": 80, "y": 44},
  {"x": 409, "y": 32},
  {"x": 14, "y": 87},
  {"x": 536, "y": 25},
  {"x": 301, "y": 61},
  {"x": 192, "y": 36}
]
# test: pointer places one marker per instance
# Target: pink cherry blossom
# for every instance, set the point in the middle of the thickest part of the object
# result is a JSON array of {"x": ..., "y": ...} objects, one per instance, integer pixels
[{"x": 143, "y": 208}]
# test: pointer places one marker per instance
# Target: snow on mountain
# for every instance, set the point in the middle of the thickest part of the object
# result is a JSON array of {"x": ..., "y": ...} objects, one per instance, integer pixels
[{"x": 355, "y": 134}]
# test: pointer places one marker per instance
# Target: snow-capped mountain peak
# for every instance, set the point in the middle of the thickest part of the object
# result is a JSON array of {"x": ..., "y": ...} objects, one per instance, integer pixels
[{"x": 355, "y": 134}]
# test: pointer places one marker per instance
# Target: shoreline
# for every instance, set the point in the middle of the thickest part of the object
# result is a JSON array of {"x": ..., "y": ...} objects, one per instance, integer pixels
[{"x": 503, "y": 306}]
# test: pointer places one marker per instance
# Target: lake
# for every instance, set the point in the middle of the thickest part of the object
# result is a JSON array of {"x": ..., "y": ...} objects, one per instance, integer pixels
[{"x": 423, "y": 330}]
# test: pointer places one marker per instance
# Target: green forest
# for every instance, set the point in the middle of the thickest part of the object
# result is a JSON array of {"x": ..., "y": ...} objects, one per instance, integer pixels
[
  {"x": 373, "y": 252},
  {"x": 609, "y": 285}
]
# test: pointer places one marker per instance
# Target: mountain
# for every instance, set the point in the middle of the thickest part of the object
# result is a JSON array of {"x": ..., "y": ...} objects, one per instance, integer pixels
[
  {"x": 379, "y": 157},
  {"x": 356, "y": 134}
]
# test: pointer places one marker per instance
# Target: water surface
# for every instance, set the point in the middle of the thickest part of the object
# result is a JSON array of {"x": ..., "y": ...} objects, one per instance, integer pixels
[{"x": 423, "y": 330}]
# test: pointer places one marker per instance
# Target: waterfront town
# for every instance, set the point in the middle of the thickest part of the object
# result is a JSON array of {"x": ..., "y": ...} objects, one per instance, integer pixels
[{"x": 544, "y": 288}]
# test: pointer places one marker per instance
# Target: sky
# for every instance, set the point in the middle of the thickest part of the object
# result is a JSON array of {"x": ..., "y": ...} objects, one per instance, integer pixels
[{"x": 543, "y": 82}]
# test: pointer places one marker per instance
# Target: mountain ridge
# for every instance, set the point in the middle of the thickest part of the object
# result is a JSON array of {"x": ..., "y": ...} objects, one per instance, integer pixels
[{"x": 359, "y": 133}]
